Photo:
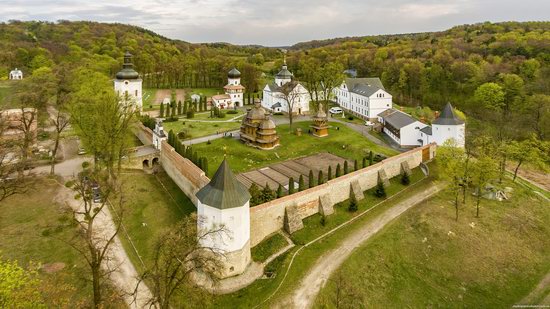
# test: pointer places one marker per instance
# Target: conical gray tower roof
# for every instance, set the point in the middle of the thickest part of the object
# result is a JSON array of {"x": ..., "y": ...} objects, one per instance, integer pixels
[
  {"x": 224, "y": 190},
  {"x": 448, "y": 117}
]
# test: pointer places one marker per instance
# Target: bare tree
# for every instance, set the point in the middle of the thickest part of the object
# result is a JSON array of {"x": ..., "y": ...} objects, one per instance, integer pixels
[
  {"x": 27, "y": 125},
  {"x": 290, "y": 96},
  {"x": 94, "y": 235},
  {"x": 345, "y": 295},
  {"x": 61, "y": 121},
  {"x": 179, "y": 257}
]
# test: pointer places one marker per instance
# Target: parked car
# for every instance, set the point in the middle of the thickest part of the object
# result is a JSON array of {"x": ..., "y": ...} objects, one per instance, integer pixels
[
  {"x": 96, "y": 193},
  {"x": 335, "y": 110},
  {"x": 81, "y": 151},
  {"x": 369, "y": 123}
]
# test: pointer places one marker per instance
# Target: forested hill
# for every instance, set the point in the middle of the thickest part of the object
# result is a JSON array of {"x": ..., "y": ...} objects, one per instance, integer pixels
[
  {"x": 464, "y": 31},
  {"x": 100, "y": 46},
  {"x": 498, "y": 73},
  {"x": 488, "y": 70}
]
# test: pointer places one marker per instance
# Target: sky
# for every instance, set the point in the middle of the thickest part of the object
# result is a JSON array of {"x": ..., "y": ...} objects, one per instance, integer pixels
[{"x": 279, "y": 22}]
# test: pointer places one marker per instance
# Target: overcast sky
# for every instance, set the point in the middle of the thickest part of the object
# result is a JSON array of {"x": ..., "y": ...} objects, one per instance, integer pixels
[{"x": 279, "y": 22}]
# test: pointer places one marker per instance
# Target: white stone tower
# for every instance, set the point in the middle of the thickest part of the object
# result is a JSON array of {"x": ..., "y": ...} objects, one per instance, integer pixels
[
  {"x": 234, "y": 89},
  {"x": 225, "y": 202},
  {"x": 158, "y": 135},
  {"x": 448, "y": 126},
  {"x": 128, "y": 84}
]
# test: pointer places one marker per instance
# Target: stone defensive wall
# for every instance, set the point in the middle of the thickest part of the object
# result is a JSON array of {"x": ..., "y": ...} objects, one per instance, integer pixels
[
  {"x": 183, "y": 172},
  {"x": 144, "y": 134},
  {"x": 269, "y": 217}
]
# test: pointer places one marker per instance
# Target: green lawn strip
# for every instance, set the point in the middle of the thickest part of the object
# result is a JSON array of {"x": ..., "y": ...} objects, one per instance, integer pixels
[
  {"x": 268, "y": 247},
  {"x": 151, "y": 209},
  {"x": 148, "y": 98},
  {"x": 415, "y": 262},
  {"x": 313, "y": 227},
  {"x": 6, "y": 93},
  {"x": 261, "y": 290},
  {"x": 30, "y": 228},
  {"x": 200, "y": 129},
  {"x": 344, "y": 142}
]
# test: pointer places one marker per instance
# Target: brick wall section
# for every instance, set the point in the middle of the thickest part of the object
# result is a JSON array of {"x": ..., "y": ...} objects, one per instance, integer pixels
[
  {"x": 268, "y": 218},
  {"x": 183, "y": 172},
  {"x": 144, "y": 134}
]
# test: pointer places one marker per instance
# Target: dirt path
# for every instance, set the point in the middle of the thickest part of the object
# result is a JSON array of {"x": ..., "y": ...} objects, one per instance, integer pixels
[
  {"x": 123, "y": 274},
  {"x": 541, "y": 293},
  {"x": 312, "y": 283}
]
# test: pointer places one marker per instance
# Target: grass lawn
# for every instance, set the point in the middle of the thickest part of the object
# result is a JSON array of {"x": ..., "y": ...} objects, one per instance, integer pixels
[
  {"x": 154, "y": 203},
  {"x": 313, "y": 227},
  {"x": 253, "y": 295},
  {"x": 6, "y": 92},
  {"x": 148, "y": 98},
  {"x": 206, "y": 115},
  {"x": 344, "y": 142},
  {"x": 25, "y": 220},
  {"x": 196, "y": 129},
  {"x": 268, "y": 247},
  {"x": 427, "y": 259}
]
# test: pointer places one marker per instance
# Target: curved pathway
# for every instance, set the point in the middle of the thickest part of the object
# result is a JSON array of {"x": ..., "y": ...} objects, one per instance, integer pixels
[{"x": 311, "y": 284}]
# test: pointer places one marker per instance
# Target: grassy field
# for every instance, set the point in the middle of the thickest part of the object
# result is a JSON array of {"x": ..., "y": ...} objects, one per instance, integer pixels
[
  {"x": 154, "y": 203},
  {"x": 314, "y": 226},
  {"x": 148, "y": 98},
  {"x": 255, "y": 295},
  {"x": 268, "y": 247},
  {"x": 25, "y": 222},
  {"x": 6, "y": 91},
  {"x": 427, "y": 259},
  {"x": 344, "y": 142},
  {"x": 196, "y": 129}
]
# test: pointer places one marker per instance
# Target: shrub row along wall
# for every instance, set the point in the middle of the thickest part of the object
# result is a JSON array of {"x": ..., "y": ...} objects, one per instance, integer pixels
[
  {"x": 183, "y": 172},
  {"x": 144, "y": 134},
  {"x": 268, "y": 218}
]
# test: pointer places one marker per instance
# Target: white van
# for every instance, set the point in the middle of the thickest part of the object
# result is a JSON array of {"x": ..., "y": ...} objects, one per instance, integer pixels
[{"x": 335, "y": 110}]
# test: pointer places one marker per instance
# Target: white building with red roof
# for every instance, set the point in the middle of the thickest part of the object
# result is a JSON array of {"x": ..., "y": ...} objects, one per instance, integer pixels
[{"x": 233, "y": 96}]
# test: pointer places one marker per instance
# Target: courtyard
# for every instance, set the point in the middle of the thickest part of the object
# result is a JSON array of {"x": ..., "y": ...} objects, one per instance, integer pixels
[{"x": 342, "y": 142}]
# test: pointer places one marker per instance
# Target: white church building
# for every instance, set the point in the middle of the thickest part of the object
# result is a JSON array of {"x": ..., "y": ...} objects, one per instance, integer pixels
[
  {"x": 128, "y": 85},
  {"x": 363, "y": 97},
  {"x": 16, "y": 74},
  {"x": 233, "y": 96},
  {"x": 407, "y": 131},
  {"x": 275, "y": 101}
]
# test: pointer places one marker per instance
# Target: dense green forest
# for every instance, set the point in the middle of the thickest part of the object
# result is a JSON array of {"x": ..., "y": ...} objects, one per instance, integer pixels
[
  {"x": 495, "y": 72},
  {"x": 100, "y": 46},
  {"x": 509, "y": 61}
]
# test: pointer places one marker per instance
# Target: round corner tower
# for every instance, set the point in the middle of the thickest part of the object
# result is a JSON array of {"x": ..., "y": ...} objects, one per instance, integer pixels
[{"x": 225, "y": 202}]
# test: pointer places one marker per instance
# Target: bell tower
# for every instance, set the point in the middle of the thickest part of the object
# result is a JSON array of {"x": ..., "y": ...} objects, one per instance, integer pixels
[{"x": 128, "y": 85}]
